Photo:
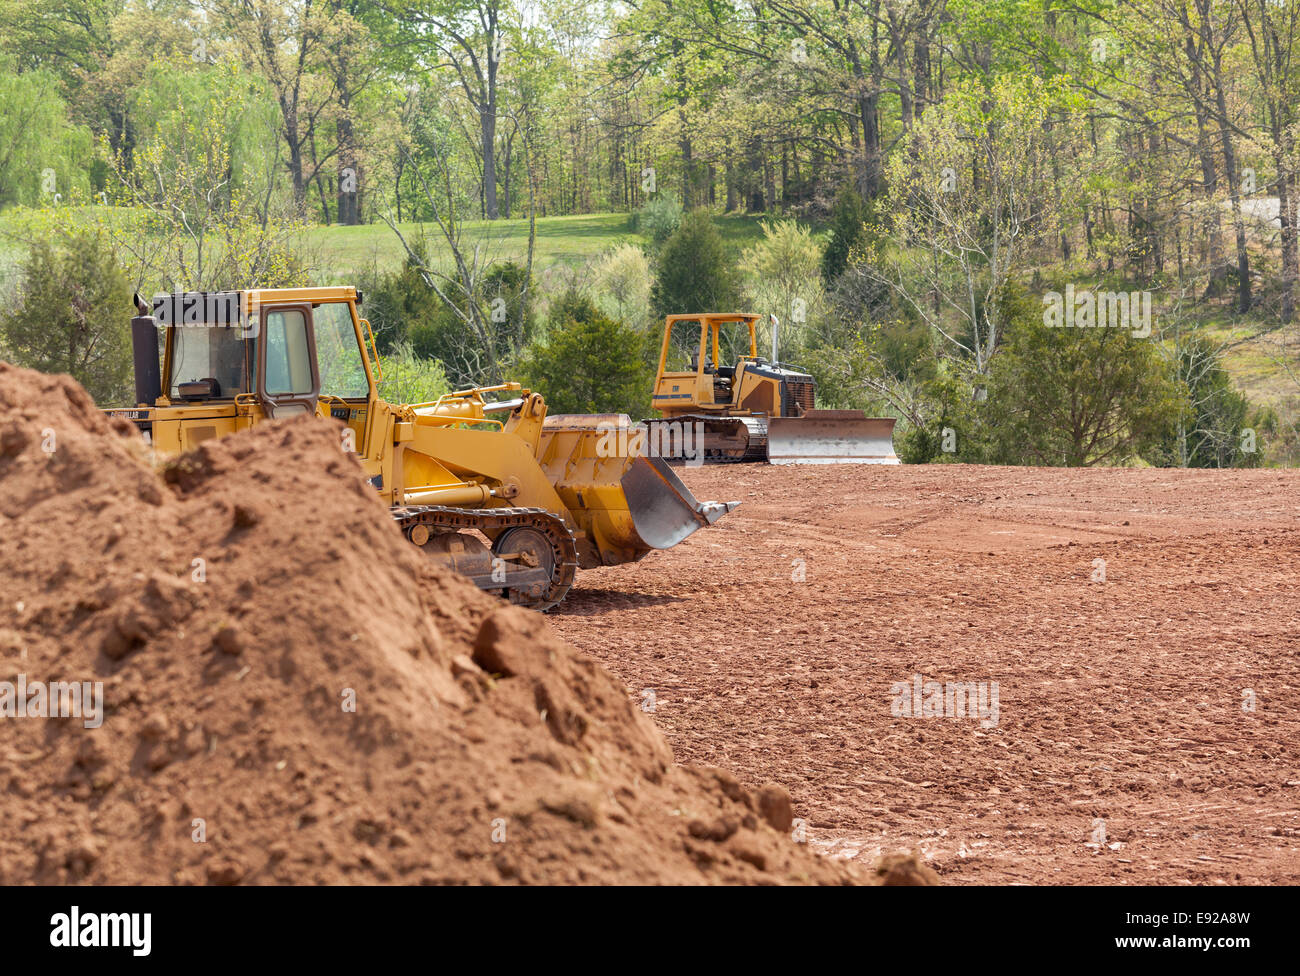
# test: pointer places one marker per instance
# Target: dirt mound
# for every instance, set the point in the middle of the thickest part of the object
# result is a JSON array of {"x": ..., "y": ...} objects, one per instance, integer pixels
[{"x": 292, "y": 694}]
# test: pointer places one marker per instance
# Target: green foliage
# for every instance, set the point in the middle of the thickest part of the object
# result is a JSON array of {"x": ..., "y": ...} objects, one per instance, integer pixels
[
  {"x": 72, "y": 315},
  {"x": 951, "y": 428},
  {"x": 621, "y": 283},
  {"x": 904, "y": 349},
  {"x": 41, "y": 154},
  {"x": 781, "y": 277},
  {"x": 588, "y": 362},
  {"x": 404, "y": 310},
  {"x": 398, "y": 303},
  {"x": 695, "y": 274},
  {"x": 1077, "y": 396},
  {"x": 953, "y": 229},
  {"x": 844, "y": 375},
  {"x": 848, "y": 232},
  {"x": 200, "y": 188},
  {"x": 409, "y": 378},
  {"x": 507, "y": 309},
  {"x": 659, "y": 218},
  {"x": 1217, "y": 427}
]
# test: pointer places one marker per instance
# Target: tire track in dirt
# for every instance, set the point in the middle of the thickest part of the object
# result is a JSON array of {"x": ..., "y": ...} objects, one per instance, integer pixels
[{"x": 1122, "y": 752}]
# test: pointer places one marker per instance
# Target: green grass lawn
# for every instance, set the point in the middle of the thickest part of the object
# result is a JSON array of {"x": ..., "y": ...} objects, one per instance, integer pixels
[
  {"x": 1257, "y": 362},
  {"x": 338, "y": 251}
]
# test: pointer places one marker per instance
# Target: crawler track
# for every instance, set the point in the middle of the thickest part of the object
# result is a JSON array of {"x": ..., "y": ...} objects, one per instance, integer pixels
[{"x": 523, "y": 584}]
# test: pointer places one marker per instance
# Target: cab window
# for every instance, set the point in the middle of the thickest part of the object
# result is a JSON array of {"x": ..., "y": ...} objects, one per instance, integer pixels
[
  {"x": 288, "y": 355},
  {"x": 683, "y": 347},
  {"x": 216, "y": 352},
  {"x": 342, "y": 372}
]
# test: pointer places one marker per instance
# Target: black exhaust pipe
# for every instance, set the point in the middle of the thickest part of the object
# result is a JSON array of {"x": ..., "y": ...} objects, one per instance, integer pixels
[{"x": 144, "y": 350}]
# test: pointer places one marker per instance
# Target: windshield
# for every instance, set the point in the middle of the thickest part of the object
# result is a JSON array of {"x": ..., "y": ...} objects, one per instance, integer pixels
[
  {"x": 342, "y": 373},
  {"x": 217, "y": 352},
  {"x": 733, "y": 342}
]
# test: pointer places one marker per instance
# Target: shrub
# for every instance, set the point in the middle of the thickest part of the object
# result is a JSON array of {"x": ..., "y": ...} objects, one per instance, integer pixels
[
  {"x": 695, "y": 272},
  {"x": 588, "y": 362},
  {"x": 621, "y": 282},
  {"x": 659, "y": 218},
  {"x": 781, "y": 277},
  {"x": 409, "y": 378},
  {"x": 849, "y": 219},
  {"x": 1077, "y": 396},
  {"x": 72, "y": 314}
]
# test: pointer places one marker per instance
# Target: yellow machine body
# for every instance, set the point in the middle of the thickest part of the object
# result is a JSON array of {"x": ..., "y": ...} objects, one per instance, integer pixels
[
  {"x": 466, "y": 463},
  {"x": 753, "y": 409}
]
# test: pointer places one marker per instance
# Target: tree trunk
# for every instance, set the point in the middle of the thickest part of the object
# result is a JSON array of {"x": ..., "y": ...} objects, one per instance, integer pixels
[
  {"x": 1234, "y": 195},
  {"x": 769, "y": 184},
  {"x": 295, "y": 160},
  {"x": 349, "y": 175},
  {"x": 732, "y": 200},
  {"x": 488, "y": 138}
]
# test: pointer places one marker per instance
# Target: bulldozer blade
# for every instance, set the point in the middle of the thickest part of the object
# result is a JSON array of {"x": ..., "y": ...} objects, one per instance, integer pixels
[
  {"x": 664, "y": 512},
  {"x": 831, "y": 437}
]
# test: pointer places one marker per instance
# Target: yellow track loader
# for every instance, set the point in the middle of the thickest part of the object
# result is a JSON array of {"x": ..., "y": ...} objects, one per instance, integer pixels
[
  {"x": 469, "y": 466},
  {"x": 756, "y": 410}
]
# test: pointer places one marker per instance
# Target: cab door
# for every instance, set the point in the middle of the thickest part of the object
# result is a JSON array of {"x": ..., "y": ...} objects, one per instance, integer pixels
[{"x": 288, "y": 380}]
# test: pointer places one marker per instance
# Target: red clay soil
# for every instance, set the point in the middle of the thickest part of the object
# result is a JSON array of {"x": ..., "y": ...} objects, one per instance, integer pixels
[
  {"x": 1125, "y": 751},
  {"x": 482, "y": 748}
]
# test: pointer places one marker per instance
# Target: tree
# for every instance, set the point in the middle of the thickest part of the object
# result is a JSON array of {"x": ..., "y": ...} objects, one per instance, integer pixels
[
  {"x": 40, "y": 154},
  {"x": 1211, "y": 430},
  {"x": 408, "y": 378},
  {"x": 965, "y": 204},
  {"x": 461, "y": 288},
  {"x": 1274, "y": 32},
  {"x": 468, "y": 37},
  {"x": 72, "y": 315},
  {"x": 285, "y": 40},
  {"x": 588, "y": 362},
  {"x": 622, "y": 280},
  {"x": 1076, "y": 396},
  {"x": 661, "y": 215},
  {"x": 200, "y": 192},
  {"x": 847, "y": 233},
  {"x": 782, "y": 278},
  {"x": 696, "y": 273}
]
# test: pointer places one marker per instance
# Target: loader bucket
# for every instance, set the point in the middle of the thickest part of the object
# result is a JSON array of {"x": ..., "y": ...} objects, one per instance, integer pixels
[
  {"x": 664, "y": 512},
  {"x": 831, "y": 437},
  {"x": 625, "y": 504}
]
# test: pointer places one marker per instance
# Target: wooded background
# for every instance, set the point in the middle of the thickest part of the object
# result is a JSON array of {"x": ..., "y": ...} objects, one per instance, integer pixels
[{"x": 903, "y": 182}]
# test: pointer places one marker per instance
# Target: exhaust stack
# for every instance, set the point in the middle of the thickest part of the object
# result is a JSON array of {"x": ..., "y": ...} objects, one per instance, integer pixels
[{"x": 144, "y": 353}]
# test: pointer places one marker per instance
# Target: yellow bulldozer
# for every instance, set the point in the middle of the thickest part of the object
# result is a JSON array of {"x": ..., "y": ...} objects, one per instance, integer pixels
[
  {"x": 754, "y": 410},
  {"x": 474, "y": 465}
]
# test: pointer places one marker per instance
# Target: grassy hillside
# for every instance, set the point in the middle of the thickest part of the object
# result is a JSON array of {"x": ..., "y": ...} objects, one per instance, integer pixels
[{"x": 336, "y": 252}]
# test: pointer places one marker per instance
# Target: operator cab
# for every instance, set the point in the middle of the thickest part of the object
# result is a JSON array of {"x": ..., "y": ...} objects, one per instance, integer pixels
[
  {"x": 287, "y": 354},
  {"x": 230, "y": 358},
  {"x": 718, "y": 339}
]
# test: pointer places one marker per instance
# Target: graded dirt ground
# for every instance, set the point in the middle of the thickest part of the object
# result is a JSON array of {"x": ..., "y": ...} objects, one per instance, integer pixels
[{"x": 1143, "y": 627}]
